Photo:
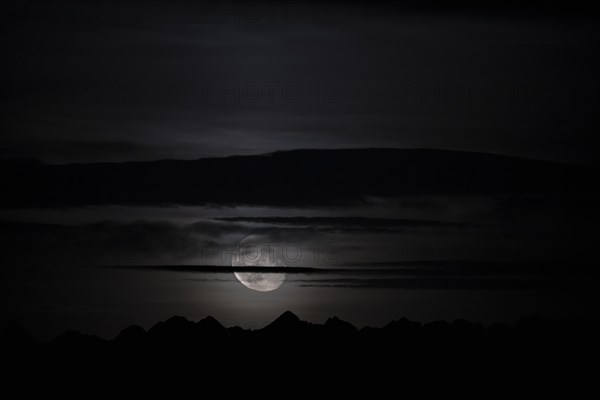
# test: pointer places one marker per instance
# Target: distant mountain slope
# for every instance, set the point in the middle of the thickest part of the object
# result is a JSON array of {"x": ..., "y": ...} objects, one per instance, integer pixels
[
  {"x": 291, "y": 178},
  {"x": 179, "y": 331},
  {"x": 295, "y": 352}
]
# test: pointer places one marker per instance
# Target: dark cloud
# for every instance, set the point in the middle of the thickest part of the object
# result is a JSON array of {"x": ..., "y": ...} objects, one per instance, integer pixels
[
  {"x": 498, "y": 283},
  {"x": 475, "y": 268},
  {"x": 105, "y": 242},
  {"x": 287, "y": 179},
  {"x": 348, "y": 224},
  {"x": 439, "y": 275},
  {"x": 143, "y": 243},
  {"x": 376, "y": 271},
  {"x": 180, "y": 80},
  {"x": 217, "y": 269},
  {"x": 78, "y": 151}
]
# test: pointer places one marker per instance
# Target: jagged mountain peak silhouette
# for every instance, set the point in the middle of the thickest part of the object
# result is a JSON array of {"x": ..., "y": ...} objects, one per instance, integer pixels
[{"x": 286, "y": 320}]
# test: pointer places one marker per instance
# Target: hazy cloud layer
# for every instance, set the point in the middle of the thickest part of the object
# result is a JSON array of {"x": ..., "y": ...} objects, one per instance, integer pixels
[
  {"x": 97, "y": 81},
  {"x": 301, "y": 178}
]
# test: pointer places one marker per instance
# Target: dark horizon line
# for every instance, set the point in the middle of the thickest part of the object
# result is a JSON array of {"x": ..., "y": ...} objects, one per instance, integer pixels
[{"x": 303, "y": 149}]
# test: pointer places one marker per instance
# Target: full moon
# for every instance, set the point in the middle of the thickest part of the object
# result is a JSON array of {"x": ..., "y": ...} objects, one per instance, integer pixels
[{"x": 252, "y": 252}]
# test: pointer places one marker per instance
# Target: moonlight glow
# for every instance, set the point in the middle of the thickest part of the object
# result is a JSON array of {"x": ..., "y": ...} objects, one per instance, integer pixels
[{"x": 254, "y": 253}]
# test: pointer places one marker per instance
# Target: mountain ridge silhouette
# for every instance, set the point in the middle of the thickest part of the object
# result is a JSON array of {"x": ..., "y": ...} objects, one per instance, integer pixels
[
  {"x": 179, "y": 328},
  {"x": 295, "y": 349}
]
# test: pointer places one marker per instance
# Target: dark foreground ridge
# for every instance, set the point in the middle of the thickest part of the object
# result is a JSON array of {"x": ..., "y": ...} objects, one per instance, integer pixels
[
  {"x": 287, "y": 334},
  {"x": 533, "y": 352}
]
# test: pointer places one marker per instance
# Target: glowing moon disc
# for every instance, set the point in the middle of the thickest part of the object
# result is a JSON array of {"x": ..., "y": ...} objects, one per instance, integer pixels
[{"x": 252, "y": 252}]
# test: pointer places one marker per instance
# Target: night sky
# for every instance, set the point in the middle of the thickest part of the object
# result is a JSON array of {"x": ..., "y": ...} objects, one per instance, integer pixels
[{"x": 418, "y": 160}]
